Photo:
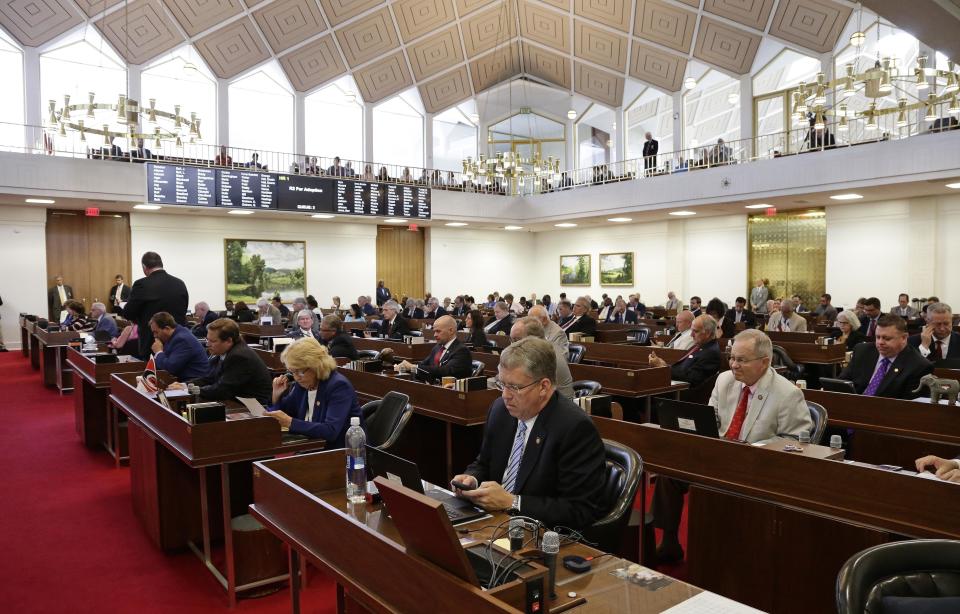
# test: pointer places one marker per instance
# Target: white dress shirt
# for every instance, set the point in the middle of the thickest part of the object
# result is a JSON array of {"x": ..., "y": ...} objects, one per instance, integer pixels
[{"x": 944, "y": 346}]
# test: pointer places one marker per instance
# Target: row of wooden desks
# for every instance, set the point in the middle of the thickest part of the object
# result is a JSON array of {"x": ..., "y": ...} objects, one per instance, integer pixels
[{"x": 772, "y": 528}]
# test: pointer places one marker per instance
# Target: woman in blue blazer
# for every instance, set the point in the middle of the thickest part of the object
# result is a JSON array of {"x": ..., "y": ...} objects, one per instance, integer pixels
[{"x": 321, "y": 401}]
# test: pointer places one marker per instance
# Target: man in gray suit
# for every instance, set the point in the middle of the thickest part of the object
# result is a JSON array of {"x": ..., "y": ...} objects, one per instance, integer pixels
[
  {"x": 759, "y": 295},
  {"x": 903, "y": 308},
  {"x": 754, "y": 403},
  {"x": 551, "y": 331},
  {"x": 530, "y": 327}
]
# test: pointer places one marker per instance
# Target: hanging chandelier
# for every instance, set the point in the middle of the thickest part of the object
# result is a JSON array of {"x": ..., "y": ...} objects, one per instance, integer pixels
[
  {"x": 511, "y": 167},
  {"x": 96, "y": 118}
]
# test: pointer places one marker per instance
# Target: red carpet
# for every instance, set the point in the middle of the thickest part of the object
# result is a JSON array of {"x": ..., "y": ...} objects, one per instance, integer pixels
[{"x": 70, "y": 539}]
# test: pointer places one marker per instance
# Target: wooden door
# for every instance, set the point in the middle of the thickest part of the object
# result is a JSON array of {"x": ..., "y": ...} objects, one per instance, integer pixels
[
  {"x": 400, "y": 264},
  {"x": 88, "y": 251}
]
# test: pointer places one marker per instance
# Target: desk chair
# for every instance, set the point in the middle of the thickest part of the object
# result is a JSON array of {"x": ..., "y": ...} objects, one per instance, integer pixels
[
  {"x": 478, "y": 367},
  {"x": 383, "y": 428},
  {"x": 642, "y": 335},
  {"x": 367, "y": 354},
  {"x": 782, "y": 359},
  {"x": 701, "y": 392},
  {"x": 621, "y": 480},
  {"x": 585, "y": 388},
  {"x": 818, "y": 413},
  {"x": 575, "y": 353},
  {"x": 908, "y": 576}
]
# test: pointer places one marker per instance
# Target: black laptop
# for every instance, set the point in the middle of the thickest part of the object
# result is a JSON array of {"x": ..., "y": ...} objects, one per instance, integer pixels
[
  {"x": 832, "y": 384},
  {"x": 384, "y": 464},
  {"x": 694, "y": 418}
]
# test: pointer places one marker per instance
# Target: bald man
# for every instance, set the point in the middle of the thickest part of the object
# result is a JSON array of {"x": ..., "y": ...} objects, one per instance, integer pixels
[
  {"x": 530, "y": 327},
  {"x": 551, "y": 331},
  {"x": 449, "y": 357},
  {"x": 683, "y": 339}
]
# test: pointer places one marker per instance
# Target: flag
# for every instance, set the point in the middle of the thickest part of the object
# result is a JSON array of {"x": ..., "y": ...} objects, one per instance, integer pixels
[{"x": 150, "y": 381}]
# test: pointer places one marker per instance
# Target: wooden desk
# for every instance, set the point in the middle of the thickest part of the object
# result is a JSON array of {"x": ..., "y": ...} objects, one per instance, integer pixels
[
  {"x": 627, "y": 356},
  {"x": 26, "y": 329},
  {"x": 51, "y": 351},
  {"x": 831, "y": 356},
  {"x": 252, "y": 333},
  {"x": 301, "y": 500},
  {"x": 175, "y": 467},
  {"x": 786, "y": 518},
  {"x": 779, "y": 338},
  {"x": 272, "y": 360},
  {"x": 34, "y": 348},
  {"x": 97, "y": 421},
  {"x": 414, "y": 352}
]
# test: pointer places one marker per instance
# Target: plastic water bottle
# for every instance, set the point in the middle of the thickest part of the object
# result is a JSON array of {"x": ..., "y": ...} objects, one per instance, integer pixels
[{"x": 356, "y": 441}]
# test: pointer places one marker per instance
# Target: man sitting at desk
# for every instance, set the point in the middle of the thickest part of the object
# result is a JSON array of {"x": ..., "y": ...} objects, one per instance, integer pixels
[
  {"x": 393, "y": 325},
  {"x": 580, "y": 321},
  {"x": 888, "y": 367},
  {"x": 946, "y": 469},
  {"x": 702, "y": 361},
  {"x": 541, "y": 456},
  {"x": 754, "y": 403},
  {"x": 304, "y": 326},
  {"x": 321, "y": 401},
  {"x": 530, "y": 326},
  {"x": 235, "y": 369},
  {"x": 201, "y": 311},
  {"x": 683, "y": 338},
  {"x": 786, "y": 320},
  {"x": 937, "y": 340},
  {"x": 739, "y": 313},
  {"x": 449, "y": 356},
  {"x": 501, "y": 321},
  {"x": 98, "y": 314},
  {"x": 176, "y": 350},
  {"x": 337, "y": 342}
]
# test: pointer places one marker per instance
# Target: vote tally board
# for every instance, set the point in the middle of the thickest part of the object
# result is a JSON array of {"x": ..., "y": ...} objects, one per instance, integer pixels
[{"x": 169, "y": 184}]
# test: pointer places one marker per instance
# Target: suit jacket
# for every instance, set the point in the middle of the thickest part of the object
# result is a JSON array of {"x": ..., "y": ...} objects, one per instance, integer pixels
[
  {"x": 184, "y": 356},
  {"x": 953, "y": 345},
  {"x": 341, "y": 346},
  {"x": 585, "y": 325},
  {"x": 238, "y": 373},
  {"x": 455, "y": 362},
  {"x": 107, "y": 323},
  {"x": 399, "y": 328},
  {"x": 200, "y": 330},
  {"x": 297, "y": 333},
  {"x": 758, "y": 298},
  {"x": 335, "y": 404},
  {"x": 53, "y": 301},
  {"x": 159, "y": 291},
  {"x": 748, "y": 318},
  {"x": 504, "y": 325},
  {"x": 555, "y": 335},
  {"x": 797, "y": 323},
  {"x": 460, "y": 311},
  {"x": 627, "y": 317},
  {"x": 417, "y": 314},
  {"x": 124, "y": 293},
  {"x": 865, "y": 326},
  {"x": 911, "y": 311},
  {"x": 829, "y": 312},
  {"x": 902, "y": 377},
  {"x": 383, "y": 295},
  {"x": 777, "y": 407},
  {"x": 697, "y": 312},
  {"x": 683, "y": 342},
  {"x": 651, "y": 147},
  {"x": 699, "y": 366},
  {"x": 560, "y": 479},
  {"x": 369, "y": 309},
  {"x": 854, "y": 339}
]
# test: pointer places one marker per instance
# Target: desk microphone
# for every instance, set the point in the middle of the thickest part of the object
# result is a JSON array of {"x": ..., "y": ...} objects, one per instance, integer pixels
[
  {"x": 550, "y": 547},
  {"x": 516, "y": 534}
]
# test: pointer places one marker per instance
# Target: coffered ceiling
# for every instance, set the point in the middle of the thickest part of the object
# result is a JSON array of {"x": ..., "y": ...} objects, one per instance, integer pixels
[{"x": 451, "y": 50}]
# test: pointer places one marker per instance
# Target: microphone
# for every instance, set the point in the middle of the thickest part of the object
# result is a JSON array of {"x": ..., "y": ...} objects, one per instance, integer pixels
[
  {"x": 550, "y": 547},
  {"x": 516, "y": 534}
]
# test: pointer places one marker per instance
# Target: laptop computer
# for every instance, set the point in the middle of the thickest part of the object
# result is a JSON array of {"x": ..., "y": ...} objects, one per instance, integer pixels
[
  {"x": 832, "y": 384},
  {"x": 688, "y": 417},
  {"x": 386, "y": 465}
]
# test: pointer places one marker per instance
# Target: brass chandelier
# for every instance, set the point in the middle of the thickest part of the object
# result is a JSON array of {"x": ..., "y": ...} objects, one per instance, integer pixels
[{"x": 510, "y": 166}]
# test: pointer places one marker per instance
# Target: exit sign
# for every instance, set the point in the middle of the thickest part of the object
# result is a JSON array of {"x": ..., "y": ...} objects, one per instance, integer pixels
[{"x": 93, "y": 211}]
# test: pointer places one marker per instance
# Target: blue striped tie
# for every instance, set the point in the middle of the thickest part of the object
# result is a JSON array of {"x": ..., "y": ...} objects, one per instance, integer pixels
[{"x": 510, "y": 476}]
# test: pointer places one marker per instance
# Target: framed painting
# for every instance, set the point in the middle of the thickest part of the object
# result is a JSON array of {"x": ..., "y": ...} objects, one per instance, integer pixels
[
  {"x": 616, "y": 269},
  {"x": 256, "y": 269},
  {"x": 575, "y": 270}
]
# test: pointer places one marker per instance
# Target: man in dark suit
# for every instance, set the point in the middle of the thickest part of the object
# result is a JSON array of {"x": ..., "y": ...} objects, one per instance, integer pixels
[
  {"x": 119, "y": 293},
  {"x": 460, "y": 307},
  {"x": 889, "y": 367},
  {"x": 695, "y": 306},
  {"x": 740, "y": 313},
  {"x": 580, "y": 322},
  {"x": 433, "y": 309},
  {"x": 140, "y": 152},
  {"x": 702, "y": 361},
  {"x": 176, "y": 350},
  {"x": 937, "y": 340},
  {"x": 650, "y": 149},
  {"x": 393, "y": 325},
  {"x": 449, "y": 356},
  {"x": 870, "y": 317},
  {"x": 383, "y": 294},
  {"x": 57, "y": 297},
  {"x": 235, "y": 369},
  {"x": 203, "y": 315},
  {"x": 411, "y": 311},
  {"x": 501, "y": 322},
  {"x": 155, "y": 292},
  {"x": 338, "y": 343},
  {"x": 541, "y": 456},
  {"x": 104, "y": 323}
]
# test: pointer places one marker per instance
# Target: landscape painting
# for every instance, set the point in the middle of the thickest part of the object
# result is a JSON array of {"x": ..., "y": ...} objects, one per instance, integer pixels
[
  {"x": 616, "y": 269},
  {"x": 575, "y": 270},
  {"x": 266, "y": 269}
]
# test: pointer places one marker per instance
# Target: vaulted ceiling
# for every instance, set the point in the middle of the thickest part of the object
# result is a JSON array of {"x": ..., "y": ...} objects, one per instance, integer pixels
[{"x": 449, "y": 49}]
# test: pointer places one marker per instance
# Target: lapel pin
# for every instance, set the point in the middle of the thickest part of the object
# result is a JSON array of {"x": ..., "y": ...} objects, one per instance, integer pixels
[
  {"x": 538, "y": 441},
  {"x": 896, "y": 370},
  {"x": 759, "y": 397}
]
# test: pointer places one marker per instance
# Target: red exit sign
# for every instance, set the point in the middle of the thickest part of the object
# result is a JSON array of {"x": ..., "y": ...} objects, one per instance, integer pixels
[{"x": 93, "y": 211}]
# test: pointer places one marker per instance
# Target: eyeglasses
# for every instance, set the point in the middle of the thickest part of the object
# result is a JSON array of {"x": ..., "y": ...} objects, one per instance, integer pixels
[
  {"x": 503, "y": 387},
  {"x": 299, "y": 372},
  {"x": 742, "y": 361}
]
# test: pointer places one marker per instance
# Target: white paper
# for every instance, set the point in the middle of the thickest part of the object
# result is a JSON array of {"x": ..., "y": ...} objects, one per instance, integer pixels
[
  {"x": 267, "y": 320},
  {"x": 253, "y": 406},
  {"x": 710, "y": 603},
  {"x": 173, "y": 393},
  {"x": 687, "y": 424}
]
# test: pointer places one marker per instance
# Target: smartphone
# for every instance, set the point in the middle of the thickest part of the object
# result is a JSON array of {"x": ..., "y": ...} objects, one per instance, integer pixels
[
  {"x": 289, "y": 377},
  {"x": 462, "y": 486}
]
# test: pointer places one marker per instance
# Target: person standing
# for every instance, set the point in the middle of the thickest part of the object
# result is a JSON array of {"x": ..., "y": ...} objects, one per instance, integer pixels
[
  {"x": 759, "y": 296},
  {"x": 383, "y": 294},
  {"x": 650, "y": 149},
  {"x": 119, "y": 294},
  {"x": 155, "y": 292},
  {"x": 57, "y": 297}
]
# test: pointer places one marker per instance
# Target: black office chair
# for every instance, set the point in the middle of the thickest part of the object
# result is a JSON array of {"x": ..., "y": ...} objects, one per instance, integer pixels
[
  {"x": 478, "y": 368},
  {"x": 782, "y": 359},
  {"x": 575, "y": 353},
  {"x": 585, "y": 388},
  {"x": 416, "y": 333},
  {"x": 701, "y": 392},
  {"x": 620, "y": 483},
  {"x": 640, "y": 335},
  {"x": 385, "y": 419},
  {"x": 904, "y": 576},
  {"x": 367, "y": 354},
  {"x": 818, "y": 413}
]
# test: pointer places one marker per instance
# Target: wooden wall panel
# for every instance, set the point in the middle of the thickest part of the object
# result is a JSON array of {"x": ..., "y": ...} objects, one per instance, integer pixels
[{"x": 400, "y": 260}]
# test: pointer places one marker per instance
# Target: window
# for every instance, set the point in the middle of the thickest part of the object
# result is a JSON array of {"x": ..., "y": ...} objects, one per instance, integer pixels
[
  {"x": 454, "y": 138},
  {"x": 181, "y": 78},
  {"x": 772, "y": 111},
  {"x": 595, "y": 137},
  {"x": 334, "y": 123},
  {"x": 261, "y": 118},
  {"x": 398, "y": 135},
  {"x": 711, "y": 111},
  {"x": 11, "y": 103},
  {"x": 651, "y": 112}
]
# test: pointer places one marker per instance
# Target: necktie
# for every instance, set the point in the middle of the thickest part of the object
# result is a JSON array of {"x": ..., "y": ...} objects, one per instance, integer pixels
[
  {"x": 877, "y": 377},
  {"x": 675, "y": 337},
  {"x": 780, "y": 325},
  {"x": 513, "y": 465},
  {"x": 736, "y": 423},
  {"x": 937, "y": 353},
  {"x": 872, "y": 329},
  {"x": 436, "y": 359},
  {"x": 692, "y": 351}
]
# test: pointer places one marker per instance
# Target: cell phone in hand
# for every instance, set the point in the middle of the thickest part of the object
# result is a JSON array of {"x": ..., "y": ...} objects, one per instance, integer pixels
[{"x": 462, "y": 486}]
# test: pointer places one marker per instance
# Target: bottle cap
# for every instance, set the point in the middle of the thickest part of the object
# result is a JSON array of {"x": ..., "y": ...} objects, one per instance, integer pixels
[{"x": 355, "y": 421}]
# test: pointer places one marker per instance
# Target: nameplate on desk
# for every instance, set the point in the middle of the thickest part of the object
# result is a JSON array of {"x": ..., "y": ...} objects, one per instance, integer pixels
[
  {"x": 411, "y": 339},
  {"x": 469, "y": 384},
  {"x": 596, "y": 405},
  {"x": 366, "y": 365}
]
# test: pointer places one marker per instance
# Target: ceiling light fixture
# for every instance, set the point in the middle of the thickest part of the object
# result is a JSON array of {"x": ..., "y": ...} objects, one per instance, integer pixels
[
  {"x": 733, "y": 98},
  {"x": 513, "y": 227},
  {"x": 145, "y": 207},
  {"x": 475, "y": 118},
  {"x": 241, "y": 212},
  {"x": 758, "y": 206},
  {"x": 620, "y": 219},
  {"x": 683, "y": 213},
  {"x": 41, "y": 201},
  {"x": 456, "y": 224},
  {"x": 395, "y": 220},
  {"x": 565, "y": 225},
  {"x": 954, "y": 186},
  {"x": 322, "y": 216},
  {"x": 689, "y": 83},
  {"x": 850, "y": 196}
]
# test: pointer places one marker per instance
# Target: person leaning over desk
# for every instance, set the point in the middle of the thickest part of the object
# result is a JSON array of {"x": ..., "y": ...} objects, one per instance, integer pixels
[
  {"x": 321, "y": 401},
  {"x": 176, "y": 350}
]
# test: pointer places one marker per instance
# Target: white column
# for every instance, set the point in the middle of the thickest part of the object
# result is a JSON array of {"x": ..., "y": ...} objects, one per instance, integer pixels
[
  {"x": 571, "y": 145},
  {"x": 746, "y": 116},
  {"x": 368, "y": 133},
  {"x": 35, "y": 109},
  {"x": 619, "y": 136},
  {"x": 223, "y": 112},
  {"x": 134, "y": 89},
  {"x": 299, "y": 125},
  {"x": 678, "y": 144},
  {"x": 428, "y": 140}
]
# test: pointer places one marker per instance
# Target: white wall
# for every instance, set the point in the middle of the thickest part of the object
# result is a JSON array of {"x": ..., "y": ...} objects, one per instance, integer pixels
[
  {"x": 477, "y": 262},
  {"x": 23, "y": 267},
  {"x": 341, "y": 258}
]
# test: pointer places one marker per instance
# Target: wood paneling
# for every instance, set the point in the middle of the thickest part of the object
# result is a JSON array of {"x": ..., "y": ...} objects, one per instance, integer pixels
[
  {"x": 400, "y": 262},
  {"x": 88, "y": 252}
]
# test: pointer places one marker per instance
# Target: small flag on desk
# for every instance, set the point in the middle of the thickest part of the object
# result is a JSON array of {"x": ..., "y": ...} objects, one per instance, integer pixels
[{"x": 150, "y": 375}]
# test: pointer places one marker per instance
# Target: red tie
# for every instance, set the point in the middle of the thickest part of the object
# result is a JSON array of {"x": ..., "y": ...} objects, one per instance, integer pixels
[
  {"x": 736, "y": 423},
  {"x": 872, "y": 329},
  {"x": 780, "y": 325},
  {"x": 436, "y": 359},
  {"x": 692, "y": 351},
  {"x": 937, "y": 353}
]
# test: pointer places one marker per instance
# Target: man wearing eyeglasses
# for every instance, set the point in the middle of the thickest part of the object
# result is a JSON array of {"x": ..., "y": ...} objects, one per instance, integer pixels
[
  {"x": 541, "y": 455},
  {"x": 702, "y": 361},
  {"x": 754, "y": 403}
]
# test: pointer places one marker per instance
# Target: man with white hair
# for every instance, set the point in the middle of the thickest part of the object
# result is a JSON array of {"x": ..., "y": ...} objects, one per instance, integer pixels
[
  {"x": 754, "y": 403},
  {"x": 786, "y": 320},
  {"x": 201, "y": 311},
  {"x": 683, "y": 339},
  {"x": 298, "y": 305},
  {"x": 266, "y": 310},
  {"x": 98, "y": 313},
  {"x": 551, "y": 331},
  {"x": 672, "y": 301},
  {"x": 393, "y": 325},
  {"x": 937, "y": 340}
]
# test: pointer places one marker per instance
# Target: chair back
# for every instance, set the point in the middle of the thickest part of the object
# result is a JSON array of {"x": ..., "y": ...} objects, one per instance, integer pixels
[
  {"x": 620, "y": 482},
  {"x": 385, "y": 419},
  {"x": 818, "y": 413},
  {"x": 884, "y": 578},
  {"x": 478, "y": 367},
  {"x": 575, "y": 353},
  {"x": 701, "y": 392},
  {"x": 782, "y": 359},
  {"x": 367, "y": 354},
  {"x": 641, "y": 335},
  {"x": 585, "y": 388}
]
